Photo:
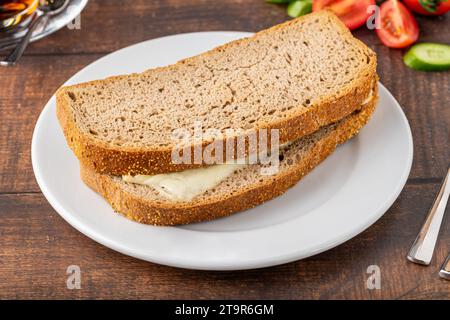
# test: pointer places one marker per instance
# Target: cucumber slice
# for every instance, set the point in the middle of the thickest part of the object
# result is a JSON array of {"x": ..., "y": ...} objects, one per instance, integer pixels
[
  {"x": 428, "y": 57},
  {"x": 299, "y": 8}
]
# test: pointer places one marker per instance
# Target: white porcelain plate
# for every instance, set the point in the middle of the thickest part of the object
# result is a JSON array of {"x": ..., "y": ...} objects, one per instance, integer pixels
[{"x": 343, "y": 196}]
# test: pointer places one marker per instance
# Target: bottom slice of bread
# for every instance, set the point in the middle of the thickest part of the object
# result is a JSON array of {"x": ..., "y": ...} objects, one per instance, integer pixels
[{"x": 242, "y": 190}]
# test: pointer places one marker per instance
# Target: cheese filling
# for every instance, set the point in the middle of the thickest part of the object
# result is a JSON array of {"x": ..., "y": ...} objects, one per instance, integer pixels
[
  {"x": 186, "y": 185},
  {"x": 369, "y": 97}
]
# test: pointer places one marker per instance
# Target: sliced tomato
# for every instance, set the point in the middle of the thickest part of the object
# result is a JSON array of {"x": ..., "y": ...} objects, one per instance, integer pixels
[
  {"x": 428, "y": 7},
  {"x": 398, "y": 28},
  {"x": 352, "y": 12}
]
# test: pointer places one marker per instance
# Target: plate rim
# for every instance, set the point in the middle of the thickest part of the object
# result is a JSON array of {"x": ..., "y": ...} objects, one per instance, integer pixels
[{"x": 211, "y": 265}]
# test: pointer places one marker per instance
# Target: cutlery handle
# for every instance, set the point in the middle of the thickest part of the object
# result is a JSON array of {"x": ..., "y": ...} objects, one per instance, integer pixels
[
  {"x": 422, "y": 250},
  {"x": 445, "y": 270},
  {"x": 15, "y": 55}
]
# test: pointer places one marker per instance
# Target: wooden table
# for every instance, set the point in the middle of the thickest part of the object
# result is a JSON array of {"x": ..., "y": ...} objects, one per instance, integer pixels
[{"x": 37, "y": 246}]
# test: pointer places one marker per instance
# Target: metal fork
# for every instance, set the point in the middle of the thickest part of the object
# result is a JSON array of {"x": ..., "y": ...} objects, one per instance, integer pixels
[{"x": 423, "y": 248}]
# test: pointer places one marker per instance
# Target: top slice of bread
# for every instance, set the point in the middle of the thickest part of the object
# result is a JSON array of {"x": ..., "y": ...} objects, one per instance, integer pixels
[
  {"x": 244, "y": 189},
  {"x": 295, "y": 77}
]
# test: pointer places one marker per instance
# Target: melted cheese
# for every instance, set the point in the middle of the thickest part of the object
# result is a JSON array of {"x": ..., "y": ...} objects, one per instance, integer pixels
[
  {"x": 186, "y": 185},
  {"x": 369, "y": 98}
]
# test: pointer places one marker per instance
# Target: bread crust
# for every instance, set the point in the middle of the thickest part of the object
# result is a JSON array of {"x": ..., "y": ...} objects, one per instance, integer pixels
[
  {"x": 174, "y": 213},
  {"x": 107, "y": 158}
]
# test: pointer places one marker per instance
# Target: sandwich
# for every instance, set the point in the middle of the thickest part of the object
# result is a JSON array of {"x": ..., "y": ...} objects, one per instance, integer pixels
[{"x": 300, "y": 88}]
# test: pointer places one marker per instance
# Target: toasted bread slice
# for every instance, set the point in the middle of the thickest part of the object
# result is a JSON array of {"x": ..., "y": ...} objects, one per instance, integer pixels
[
  {"x": 296, "y": 77},
  {"x": 244, "y": 189}
]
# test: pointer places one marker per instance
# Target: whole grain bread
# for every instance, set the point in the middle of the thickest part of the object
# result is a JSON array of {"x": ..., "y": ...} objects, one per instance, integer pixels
[
  {"x": 244, "y": 189},
  {"x": 295, "y": 77}
]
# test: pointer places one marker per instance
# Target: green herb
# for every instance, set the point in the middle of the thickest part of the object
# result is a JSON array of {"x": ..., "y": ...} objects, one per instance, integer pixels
[{"x": 430, "y": 5}]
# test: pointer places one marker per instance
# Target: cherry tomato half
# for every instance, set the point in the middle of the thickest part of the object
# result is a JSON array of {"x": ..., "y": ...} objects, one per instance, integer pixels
[
  {"x": 398, "y": 28},
  {"x": 352, "y": 12},
  {"x": 428, "y": 7}
]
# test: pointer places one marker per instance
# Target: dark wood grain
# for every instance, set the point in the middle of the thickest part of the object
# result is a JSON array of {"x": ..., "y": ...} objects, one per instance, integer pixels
[
  {"x": 36, "y": 245},
  {"x": 24, "y": 91},
  {"x": 124, "y": 24}
]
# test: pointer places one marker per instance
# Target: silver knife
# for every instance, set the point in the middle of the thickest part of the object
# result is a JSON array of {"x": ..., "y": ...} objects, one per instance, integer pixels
[{"x": 423, "y": 248}]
